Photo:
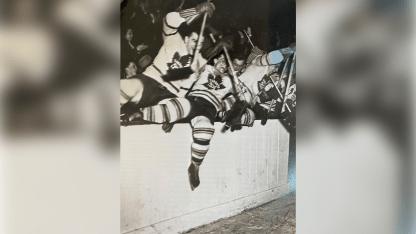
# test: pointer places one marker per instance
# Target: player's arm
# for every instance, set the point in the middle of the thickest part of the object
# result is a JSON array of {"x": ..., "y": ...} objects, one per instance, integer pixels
[
  {"x": 173, "y": 20},
  {"x": 274, "y": 57}
]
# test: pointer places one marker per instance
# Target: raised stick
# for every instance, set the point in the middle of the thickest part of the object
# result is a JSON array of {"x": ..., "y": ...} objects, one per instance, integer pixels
[
  {"x": 236, "y": 80},
  {"x": 248, "y": 38}
]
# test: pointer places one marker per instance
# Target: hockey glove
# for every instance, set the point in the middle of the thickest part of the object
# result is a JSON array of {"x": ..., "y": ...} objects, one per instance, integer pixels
[{"x": 261, "y": 112}]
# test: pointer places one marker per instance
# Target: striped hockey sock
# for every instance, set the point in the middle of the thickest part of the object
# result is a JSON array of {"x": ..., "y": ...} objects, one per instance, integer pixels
[
  {"x": 175, "y": 109},
  {"x": 202, "y": 133},
  {"x": 226, "y": 105}
]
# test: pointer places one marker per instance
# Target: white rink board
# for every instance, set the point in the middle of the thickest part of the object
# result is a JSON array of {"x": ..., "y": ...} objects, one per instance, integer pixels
[{"x": 243, "y": 169}]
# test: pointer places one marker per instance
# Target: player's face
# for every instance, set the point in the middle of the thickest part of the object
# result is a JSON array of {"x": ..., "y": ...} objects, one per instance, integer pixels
[
  {"x": 191, "y": 42},
  {"x": 131, "y": 69},
  {"x": 238, "y": 65},
  {"x": 274, "y": 77},
  {"x": 129, "y": 35},
  {"x": 221, "y": 65}
]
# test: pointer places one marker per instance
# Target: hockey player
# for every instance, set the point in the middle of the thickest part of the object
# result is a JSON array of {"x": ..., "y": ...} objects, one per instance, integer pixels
[
  {"x": 263, "y": 95},
  {"x": 200, "y": 107},
  {"x": 172, "y": 66}
]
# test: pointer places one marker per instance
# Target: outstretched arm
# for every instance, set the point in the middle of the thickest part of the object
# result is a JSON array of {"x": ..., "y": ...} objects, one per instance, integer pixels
[
  {"x": 173, "y": 20},
  {"x": 274, "y": 57}
]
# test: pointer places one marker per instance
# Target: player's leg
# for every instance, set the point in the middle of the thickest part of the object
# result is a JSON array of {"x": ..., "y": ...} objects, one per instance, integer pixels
[
  {"x": 131, "y": 90},
  {"x": 226, "y": 105},
  {"x": 170, "y": 111},
  {"x": 202, "y": 133}
]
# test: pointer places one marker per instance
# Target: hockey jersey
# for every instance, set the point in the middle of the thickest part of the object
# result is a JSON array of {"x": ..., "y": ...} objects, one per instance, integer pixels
[
  {"x": 255, "y": 76},
  {"x": 212, "y": 87},
  {"x": 172, "y": 55}
]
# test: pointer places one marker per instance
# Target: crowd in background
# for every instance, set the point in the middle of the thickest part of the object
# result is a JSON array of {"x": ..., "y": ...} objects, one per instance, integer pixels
[{"x": 141, "y": 29}]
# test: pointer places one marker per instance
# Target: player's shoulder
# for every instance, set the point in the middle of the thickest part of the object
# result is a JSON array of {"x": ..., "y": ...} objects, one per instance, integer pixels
[
  {"x": 209, "y": 68},
  {"x": 174, "y": 39},
  {"x": 226, "y": 78},
  {"x": 226, "y": 75}
]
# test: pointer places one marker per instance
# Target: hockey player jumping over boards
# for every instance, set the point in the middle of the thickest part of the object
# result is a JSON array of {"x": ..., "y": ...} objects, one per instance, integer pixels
[
  {"x": 172, "y": 66},
  {"x": 261, "y": 91},
  {"x": 200, "y": 107}
]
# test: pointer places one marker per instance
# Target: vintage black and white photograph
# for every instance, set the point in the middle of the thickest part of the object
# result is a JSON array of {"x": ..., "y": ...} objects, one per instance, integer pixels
[
  {"x": 208, "y": 136},
  {"x": 207, "y": 116}
]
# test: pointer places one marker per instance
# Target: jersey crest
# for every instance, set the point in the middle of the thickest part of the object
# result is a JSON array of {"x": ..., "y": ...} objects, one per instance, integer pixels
[
  {"x": 267, "y": 90},
  {"x": 214, "y": 82},
  {"x": 261, "y": 84},
  {"x": 179, "y": 62}
]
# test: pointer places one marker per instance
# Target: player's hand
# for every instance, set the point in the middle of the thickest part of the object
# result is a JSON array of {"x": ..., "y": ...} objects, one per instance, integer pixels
[
  {"x": 195, "y": 66},
  {"x": 200, "y": 44},
  {"x": 141, "y": 47},
  {"x": 207, "y": 7},
  {"x": 261, "y": 113},
  {"x": 136, "y": 115}
]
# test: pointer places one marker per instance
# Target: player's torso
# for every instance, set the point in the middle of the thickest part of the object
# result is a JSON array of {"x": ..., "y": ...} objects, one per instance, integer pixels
[
  {"x": 172, "y": 55},
  {"x": 212, "y": 87}
]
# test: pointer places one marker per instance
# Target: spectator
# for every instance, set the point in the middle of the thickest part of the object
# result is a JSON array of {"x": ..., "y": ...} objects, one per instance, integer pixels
[
  {"x": 130, "y": 69},
  {"x": 129, "y": 51}
]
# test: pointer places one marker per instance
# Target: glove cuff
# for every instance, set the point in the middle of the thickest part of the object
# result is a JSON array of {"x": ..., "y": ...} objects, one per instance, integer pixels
[{"x": 189, "y": 15}]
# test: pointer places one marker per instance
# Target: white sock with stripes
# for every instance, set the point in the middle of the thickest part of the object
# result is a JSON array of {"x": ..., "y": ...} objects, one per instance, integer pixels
[
  {"x": 202, "y": 133},
  {"x": 175, "y": 109}
]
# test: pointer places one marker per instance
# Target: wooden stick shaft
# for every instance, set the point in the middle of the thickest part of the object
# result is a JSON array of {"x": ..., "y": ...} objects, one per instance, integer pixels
[
  {"x": 281, "y": 96},
  {"x": 228, "y": 58},
  {"x": 248, "y": 38},
  {"x": 234, "y": 73},
  {"x": 283, "y": 72},
  {"x": 212, "y": 37},
  {"x": 198, "y": 48},
  {"x": 288, "y": 82}
]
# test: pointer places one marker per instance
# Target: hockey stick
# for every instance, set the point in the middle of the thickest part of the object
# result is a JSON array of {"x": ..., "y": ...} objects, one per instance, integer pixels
[
  {"x": 288, "y": 82},
  {"x": 248, "y": 38},
  {"x": 198, "y": 48},
  {"x": 233, "y": 81},
  {"x": 234, "y": 73}
]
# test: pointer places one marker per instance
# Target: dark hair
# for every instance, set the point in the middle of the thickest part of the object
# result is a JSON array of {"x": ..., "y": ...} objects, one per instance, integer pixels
[
  {"x": 211, "y": 61},
  {"x": 186, "y": 30},
  {"x": 124, "y": 31},
  {"x": 240, "y": 56},
  {"x": 123, "y": 65}
]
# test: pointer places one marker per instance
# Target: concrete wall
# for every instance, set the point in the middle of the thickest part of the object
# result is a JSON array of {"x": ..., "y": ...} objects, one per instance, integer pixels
[{"x": 241, "y": 170}]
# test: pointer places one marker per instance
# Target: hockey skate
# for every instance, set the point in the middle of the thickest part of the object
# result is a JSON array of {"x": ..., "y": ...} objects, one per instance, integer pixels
[{"x": 193, "y": 176}]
